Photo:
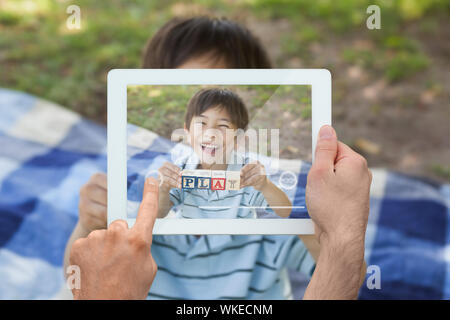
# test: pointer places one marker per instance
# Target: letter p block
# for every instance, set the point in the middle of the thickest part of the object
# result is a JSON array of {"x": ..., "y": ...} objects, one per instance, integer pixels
[{"x": 187, "y": 180}]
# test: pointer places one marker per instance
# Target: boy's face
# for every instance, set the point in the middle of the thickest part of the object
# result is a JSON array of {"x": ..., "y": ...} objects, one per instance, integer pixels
[{"x": 211, "y": 135}]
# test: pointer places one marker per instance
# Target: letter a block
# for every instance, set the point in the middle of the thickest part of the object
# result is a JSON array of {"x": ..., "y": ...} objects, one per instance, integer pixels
[
  {"x": 188, "y": 179},
  {"x": 233, "y": 180},
  {"x": 218, "y": 180}
]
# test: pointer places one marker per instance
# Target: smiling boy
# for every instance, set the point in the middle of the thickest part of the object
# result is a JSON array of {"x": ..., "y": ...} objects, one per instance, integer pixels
[{"x": 212, "y": 119}]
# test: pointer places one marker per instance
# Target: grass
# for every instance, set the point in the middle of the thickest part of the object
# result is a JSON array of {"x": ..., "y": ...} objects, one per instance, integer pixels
[
  {"x": 441, "y": 171},
  {"x": 158, "y": 108},
  {"x": 405, "y": 64},
  {"x": 39, "y": 55},
  {"x": 162, "y": 108}
]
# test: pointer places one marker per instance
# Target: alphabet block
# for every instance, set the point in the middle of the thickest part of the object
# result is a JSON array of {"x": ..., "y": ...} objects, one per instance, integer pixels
[
  {"x": 218, "y": 179},
  {"x": 203, "y": 179},
  {"x": 233, "y": 180},
  {"x": 188, "y": 179},
  {"x": 210, "y": 179}
]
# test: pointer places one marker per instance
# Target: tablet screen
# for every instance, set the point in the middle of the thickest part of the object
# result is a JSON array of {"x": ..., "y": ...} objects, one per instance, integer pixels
[{"x": 220, "y": 151}]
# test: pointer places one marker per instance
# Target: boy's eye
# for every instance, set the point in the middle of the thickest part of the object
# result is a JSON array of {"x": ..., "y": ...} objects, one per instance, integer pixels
[{"x": 224, "y": 126}]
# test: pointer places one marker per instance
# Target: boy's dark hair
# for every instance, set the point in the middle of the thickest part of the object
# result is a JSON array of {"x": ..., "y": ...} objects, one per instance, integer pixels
[
  {"x": 183, "y": 38},
  {"x": 221, "y": 98}
]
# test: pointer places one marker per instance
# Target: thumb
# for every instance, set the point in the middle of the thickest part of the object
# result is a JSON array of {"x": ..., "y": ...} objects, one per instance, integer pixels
[{"x": 326, "y": 149}]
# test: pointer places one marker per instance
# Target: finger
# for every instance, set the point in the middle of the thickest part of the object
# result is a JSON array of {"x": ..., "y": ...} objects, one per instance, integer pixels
[
  {"x": 244, "y": 180},
  {"x": 77, "y": 250},
  {"x": 96, "y": 235},
  {"x": 118, "y": 225},
  {"x": 347, "y": 156},
  {"x": 97, "y": 194},
  {"x": 168, "y": 173},
  {"x": 96, "y": 223},
  {"x": 326, "y": 149},
  {"x": 172, "y": 182},
  {"x": 255, "y": 172},
  {"x": 117, "y": 231},
  {"x": 117, "y": 228},
  {"x": 93, "y": 208},
  {"x": 170, "y": 166},
  {"x": 344, "y": 151},
  {"x": 99, "y": 179},
  {"x": 148, "y": 210},
  {"x": 169, "y": 181},
  {"x": 247, "y": 167},
  {"x": 253, "y": 180}
]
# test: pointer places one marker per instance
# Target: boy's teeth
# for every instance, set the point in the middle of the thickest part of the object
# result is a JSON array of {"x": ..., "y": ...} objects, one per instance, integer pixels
[{"x": 209, "y": 146}]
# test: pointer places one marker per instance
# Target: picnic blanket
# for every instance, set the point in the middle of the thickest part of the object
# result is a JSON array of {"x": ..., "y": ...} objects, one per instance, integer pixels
[{"x": 47, "y": 153}]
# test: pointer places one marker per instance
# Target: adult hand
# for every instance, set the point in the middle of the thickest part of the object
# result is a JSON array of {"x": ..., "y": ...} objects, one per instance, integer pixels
[
  {"x": 337, "y": 190},
  {"x": 116, "y": 263},
  {"x": 337, "y": 198}
]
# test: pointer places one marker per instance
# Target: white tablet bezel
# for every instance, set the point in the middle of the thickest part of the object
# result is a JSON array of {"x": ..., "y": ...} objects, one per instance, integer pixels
[{"x": 119, "y": 79}]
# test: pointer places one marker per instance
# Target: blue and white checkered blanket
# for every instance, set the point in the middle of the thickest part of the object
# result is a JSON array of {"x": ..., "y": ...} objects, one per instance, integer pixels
[{"x": 47, "y": 153}]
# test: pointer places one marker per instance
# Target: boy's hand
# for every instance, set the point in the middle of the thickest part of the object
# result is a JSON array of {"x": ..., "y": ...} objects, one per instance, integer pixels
[
  {"x": 92, "y": 203},
  {"x": 254, "y": 175},
  {"x": 169, "y": 177},
  {"x": 117, "y": 263}
]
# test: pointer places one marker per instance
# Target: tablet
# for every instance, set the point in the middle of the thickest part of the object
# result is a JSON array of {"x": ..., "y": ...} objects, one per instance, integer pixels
[{"x": 240, "y": 142}]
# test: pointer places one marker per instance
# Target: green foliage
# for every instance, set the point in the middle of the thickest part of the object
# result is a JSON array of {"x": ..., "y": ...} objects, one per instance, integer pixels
[
  {"x": 340, "y": 17},
  {"x": 364, "y": 58},
  {"x": 405, "y": 64},
  {"x": 398, "y": 42},
  {"x": 162, "y": 108},
  {"x": 39, "y": 55},
  {"x": 440, "y": 170},
  {"x": 158, "y": 108},
  {"x": 9, "y": 19}
]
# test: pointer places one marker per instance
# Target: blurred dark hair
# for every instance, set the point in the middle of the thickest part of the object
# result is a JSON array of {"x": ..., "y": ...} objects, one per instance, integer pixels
[
  {"x": 221, "y": 98},
  {"x": 183, "y": 38}
]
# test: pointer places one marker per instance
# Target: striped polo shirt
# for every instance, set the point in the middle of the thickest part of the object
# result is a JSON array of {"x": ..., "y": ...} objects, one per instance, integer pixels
[
  {"x": 224, "y": 266},
  {"x": 227, "y": 266},
  {"x": 219, "y": 204}
]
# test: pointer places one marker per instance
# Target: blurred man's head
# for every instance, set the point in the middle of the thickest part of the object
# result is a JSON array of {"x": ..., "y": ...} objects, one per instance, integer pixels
[{"x": 204, "y": 42}]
